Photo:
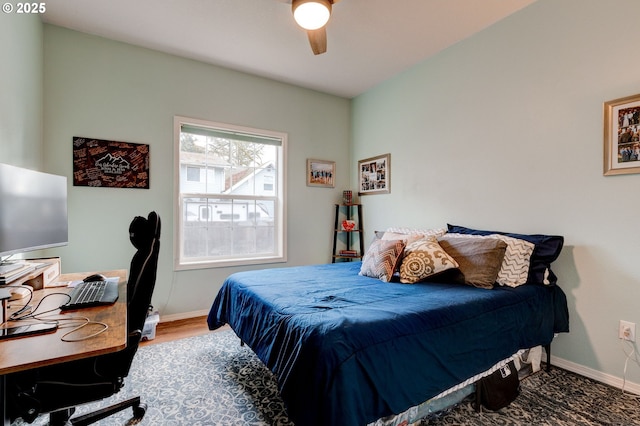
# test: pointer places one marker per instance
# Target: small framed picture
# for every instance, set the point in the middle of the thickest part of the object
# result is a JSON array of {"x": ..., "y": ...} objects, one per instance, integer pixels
[
  {"x": 321, "y": 173},
  {"x": 374, "y": 175},
  {"x": 622, "y": 136}
]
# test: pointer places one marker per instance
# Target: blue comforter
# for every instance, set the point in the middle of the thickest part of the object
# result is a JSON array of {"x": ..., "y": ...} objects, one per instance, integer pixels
[{"x": 348, "y": 349}]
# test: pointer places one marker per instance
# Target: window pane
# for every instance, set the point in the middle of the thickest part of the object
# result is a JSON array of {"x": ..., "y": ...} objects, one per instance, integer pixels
[
  {"x": 193, "y": 174},
  {"x": 217, "y": 227}
]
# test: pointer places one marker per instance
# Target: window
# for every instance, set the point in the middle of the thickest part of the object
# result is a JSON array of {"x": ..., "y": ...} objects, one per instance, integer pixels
[
  {"x": 193, "y": 174},
  {"x": 268, "y": 183},
  {"x": 229, "y": 195}
]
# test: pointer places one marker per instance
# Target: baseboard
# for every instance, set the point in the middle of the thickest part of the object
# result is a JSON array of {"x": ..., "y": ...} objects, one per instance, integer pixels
[
  {"x": 596, "y": 375},
  {"x": 183, "y": 315}
]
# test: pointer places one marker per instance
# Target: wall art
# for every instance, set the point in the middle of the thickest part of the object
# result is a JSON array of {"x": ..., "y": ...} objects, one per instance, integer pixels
[
  {"x": 622, "y": 136},
  {"x": 374, "y": 175},
  {"x": 103, "y": 163}
]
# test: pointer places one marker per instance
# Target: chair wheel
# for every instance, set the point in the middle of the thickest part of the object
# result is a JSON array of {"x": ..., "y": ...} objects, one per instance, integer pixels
[{"x": 139, "y": 411}]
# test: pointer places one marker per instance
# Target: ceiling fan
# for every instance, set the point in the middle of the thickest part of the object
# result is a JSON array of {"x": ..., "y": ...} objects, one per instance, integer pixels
[{"x": 313, "y": 15}]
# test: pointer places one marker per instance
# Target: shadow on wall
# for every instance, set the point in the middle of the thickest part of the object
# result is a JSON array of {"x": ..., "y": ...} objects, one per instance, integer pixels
[{"x": 569, "y": 280}]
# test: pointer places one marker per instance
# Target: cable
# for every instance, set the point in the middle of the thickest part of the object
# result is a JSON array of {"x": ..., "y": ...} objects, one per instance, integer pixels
[
  {"x": 79, "y": 339},
  {"x": 34, "y": 314},
  {"x": 26, "y": 304},
  {"x": 56, "y": 318},
  {"x": 629, "y": 356},
  {"x": 170, "y": 295}
]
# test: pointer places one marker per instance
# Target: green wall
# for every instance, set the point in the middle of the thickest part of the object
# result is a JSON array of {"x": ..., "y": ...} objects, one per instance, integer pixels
[
  {"x": 104, "y": 89},
  {"x": 21, "y": 90},
  {"x": 504, "y": 131}
]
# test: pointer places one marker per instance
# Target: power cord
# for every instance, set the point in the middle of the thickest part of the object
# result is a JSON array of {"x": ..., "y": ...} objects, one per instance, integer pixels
[
  {"x": 26, "y": 304},
  {"x": 87, "y": 322},
  {"x": 40, "y": 316},
  {"x": 34, "y": 312},
  {"x": 633, "y": 356}
]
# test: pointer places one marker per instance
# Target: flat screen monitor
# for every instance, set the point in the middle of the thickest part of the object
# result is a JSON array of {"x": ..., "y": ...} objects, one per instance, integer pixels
[{"x": 33, "y": 210}]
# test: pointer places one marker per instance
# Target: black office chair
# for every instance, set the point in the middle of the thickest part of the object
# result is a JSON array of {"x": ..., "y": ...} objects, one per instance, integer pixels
[{"x": 58, "y": 389}]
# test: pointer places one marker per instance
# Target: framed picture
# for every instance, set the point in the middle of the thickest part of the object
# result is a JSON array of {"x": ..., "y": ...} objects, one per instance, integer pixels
[
  {"x": 114, "y": 164},
  {"x": 374, "y": 175},
  {"x": 622, "y": 136},
  {"x": 321, "y": 173}
]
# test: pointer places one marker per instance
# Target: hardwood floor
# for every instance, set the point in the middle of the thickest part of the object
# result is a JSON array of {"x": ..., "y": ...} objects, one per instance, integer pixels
[{"x": 179, "y": 329}]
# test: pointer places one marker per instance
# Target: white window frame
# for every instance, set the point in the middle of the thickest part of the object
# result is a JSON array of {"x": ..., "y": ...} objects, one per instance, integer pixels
[{"x": 280, "y": 254}]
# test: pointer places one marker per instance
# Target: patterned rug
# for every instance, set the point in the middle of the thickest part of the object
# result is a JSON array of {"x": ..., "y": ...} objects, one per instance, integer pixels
[{"x": 212, "y": 380}]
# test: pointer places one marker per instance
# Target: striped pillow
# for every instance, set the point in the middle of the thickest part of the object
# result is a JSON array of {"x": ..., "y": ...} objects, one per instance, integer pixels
[{"x": 381, "y": 259}]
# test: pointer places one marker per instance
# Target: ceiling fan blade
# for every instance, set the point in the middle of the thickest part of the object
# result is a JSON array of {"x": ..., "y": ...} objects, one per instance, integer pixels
[{"x": 318, "y": 40}]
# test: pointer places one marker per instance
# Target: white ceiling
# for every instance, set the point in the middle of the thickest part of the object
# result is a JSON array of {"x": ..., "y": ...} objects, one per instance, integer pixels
[{"x": 368, "y": 41}]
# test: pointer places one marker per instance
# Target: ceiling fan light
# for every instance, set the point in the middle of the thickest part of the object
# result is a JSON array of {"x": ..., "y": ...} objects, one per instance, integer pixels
[{"x": 311, "y": 14}]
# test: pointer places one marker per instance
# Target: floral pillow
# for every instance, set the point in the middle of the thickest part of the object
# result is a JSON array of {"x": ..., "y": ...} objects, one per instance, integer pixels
[
  {"x": 422, "y": 259},
  {"x": 381, "y": 259}
]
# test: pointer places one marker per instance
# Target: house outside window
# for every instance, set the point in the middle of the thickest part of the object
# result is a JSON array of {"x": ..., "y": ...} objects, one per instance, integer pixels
[{"x": 233, "y": 213}]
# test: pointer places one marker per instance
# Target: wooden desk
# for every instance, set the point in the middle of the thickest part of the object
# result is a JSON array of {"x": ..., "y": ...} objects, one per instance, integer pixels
[{"x": 40, "y": 350}]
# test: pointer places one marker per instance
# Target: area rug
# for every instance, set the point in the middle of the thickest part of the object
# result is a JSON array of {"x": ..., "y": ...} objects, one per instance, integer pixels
[{"x": 213, "y": 380}]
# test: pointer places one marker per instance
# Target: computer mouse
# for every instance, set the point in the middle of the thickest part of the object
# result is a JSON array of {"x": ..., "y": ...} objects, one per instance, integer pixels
[{"x": 95, "y": 277}]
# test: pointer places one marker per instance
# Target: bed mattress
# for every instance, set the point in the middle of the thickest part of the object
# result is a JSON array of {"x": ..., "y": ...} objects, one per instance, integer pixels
[{"x": 348, "y": 349}]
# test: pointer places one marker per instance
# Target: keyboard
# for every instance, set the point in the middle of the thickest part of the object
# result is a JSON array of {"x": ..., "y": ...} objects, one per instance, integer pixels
[{"x": 92, "y": 293}]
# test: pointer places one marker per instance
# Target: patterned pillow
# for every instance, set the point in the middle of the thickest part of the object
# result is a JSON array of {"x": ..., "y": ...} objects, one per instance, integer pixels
[
  {"x": 424, "y": 258},
  {"x": 479, "y": 259},
  {"x": 547, "y": 249},
  {"x": 515, "y": 265},
  {"x": 406, "y": 238},
  {"x": 381, "y": 259},
  {"x": 431, "y": 232}
]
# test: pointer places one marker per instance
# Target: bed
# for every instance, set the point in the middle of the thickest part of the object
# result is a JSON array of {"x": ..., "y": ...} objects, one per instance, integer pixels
[{"x": 349, "y": 348}]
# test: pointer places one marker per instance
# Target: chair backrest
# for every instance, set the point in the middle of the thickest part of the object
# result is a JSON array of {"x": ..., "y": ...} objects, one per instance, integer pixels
[{"x": 144, "y": 234}]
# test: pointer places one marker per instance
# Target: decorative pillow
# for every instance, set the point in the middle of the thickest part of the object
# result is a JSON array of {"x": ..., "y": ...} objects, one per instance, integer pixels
[
  {"x": 381, "y": 259},
  {"x": 435, "y": 232},
  {"x": 409, "y": 235},
  {"x": 479, "y": 259},
  {"x": 406, "y": 238},
  {"x": 424, "y": 258},
  {"x": 515, "y": 265},
  {"x": 547, "y": 249}
]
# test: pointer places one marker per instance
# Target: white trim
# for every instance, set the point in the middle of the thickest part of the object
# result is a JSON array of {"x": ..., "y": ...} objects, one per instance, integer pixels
[
  {"x": 280, "y": 199},
  {"x": 595, "y": 375},
  {"x": 177, "y": 221},
  {"x": 184, "y": 315}
]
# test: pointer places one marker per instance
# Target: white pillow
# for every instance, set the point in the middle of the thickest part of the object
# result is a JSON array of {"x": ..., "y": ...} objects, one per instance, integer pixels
[{"x": 433, "y": 232}]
